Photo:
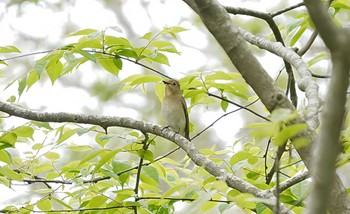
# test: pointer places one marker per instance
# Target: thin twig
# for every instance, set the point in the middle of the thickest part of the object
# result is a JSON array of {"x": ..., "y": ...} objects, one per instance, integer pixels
[{"x": 236, "y": 104}]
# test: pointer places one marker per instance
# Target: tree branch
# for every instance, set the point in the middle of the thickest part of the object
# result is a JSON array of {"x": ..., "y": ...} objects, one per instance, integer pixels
[
  {"x": 190, "y": 149},
  {"x": 327, "y": 191}
]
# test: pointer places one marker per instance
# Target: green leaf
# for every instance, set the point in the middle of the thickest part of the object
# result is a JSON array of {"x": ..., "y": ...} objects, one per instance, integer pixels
[
  {"x": 146, "y": 154},
  {"x": 11, "y": 99},
  {"x": 40, "y": 66},
  {"x": 239, "y": 156},
  {"x": 106, "y": 157},
  {"x": 224, "y": 104},
  {"x": 298, "y": 34},
  {"x": 300, "y": 190},
  {"x": 161, "y": 58},
  {"x": 22, "y": 85},
  {"x": 260, "y": 130},
  {"x": 45, "y": 167},
  {"x": 10, "y": 174},
  {"x": 83, "y": 32},
  {"x": 5, "y": 156},
  {"x": 112, "y": 65},
  {"x": 92, "y": 155},
  {"x": 45, "y": 125},
  {"x": 173, "y": 30},
  {"x": 123, "y": 194},
  {"x": 24, "y": 131},
  {"x": 283, "y": 114},
  {"x": 54, "y": 71},
  {"x": 289, "y": 132},
  {"x": 2, "y": 62},
  {"x": 9, "y": 49},
  {"x": 98, "y": 202},
  {"x": 119, "y": 166},
  {"x": 147, "y": 36},
  {"x": 243, "y": 200},
  {"x": 52, "y": 155},
  {"x": 159, "y": 90},
  {"x": 161, "y": 44},
  {"x": 7, "y": 140},
  {"x": 317, "y": 58},
  {"x": 60, "y": 202},
  {"x": 260, "y": 207},
  {"x": 127, "y": 52},
  {"x": 32, "y": 78},
  {"x": 65, "y": 133},
  {"x": 69, "y": 57},
  {"x": 151, "y": 172},
  {"x": 44, "y": 204},
  {"x": 87, "y": 55},
  {"x": 118, "y": 42}
]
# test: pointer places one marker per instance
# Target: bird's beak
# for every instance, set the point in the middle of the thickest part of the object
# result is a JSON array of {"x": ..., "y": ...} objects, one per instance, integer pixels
[{"x": 165, "y": 82}]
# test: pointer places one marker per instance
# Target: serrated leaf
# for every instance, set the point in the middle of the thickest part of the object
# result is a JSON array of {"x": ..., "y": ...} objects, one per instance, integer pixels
[{"x": 9, "y": 49}]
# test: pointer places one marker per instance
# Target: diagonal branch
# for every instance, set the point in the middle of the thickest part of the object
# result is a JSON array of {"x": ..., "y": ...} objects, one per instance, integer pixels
[{"x": 190, "y": 149}]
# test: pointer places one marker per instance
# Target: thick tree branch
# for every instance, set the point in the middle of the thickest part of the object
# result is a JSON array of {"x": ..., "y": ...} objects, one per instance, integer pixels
[
  {"x": 306, "y": 83},
  {"x": 190, "y": 149},
  {"x": 327, "y": 191},
  {"x": 218, "y": 22}
]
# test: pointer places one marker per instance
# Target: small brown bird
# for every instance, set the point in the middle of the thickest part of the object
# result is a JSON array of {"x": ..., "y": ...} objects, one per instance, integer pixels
[{"x": 174, "y": 109}]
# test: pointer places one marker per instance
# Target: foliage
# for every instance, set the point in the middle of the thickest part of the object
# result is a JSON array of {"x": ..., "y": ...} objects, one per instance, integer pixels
[{"x": 92, "y": 176}]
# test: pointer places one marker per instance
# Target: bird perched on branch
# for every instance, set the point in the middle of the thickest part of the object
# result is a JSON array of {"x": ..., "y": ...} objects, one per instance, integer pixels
[{"x": 174, "y": 109}]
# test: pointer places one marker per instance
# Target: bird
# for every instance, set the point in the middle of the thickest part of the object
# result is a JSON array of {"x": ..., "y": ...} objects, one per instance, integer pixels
[{"x": 174, "y": 109}]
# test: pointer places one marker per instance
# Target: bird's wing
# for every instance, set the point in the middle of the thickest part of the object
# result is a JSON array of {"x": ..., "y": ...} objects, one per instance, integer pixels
[{"x": 187, "y": 127}]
